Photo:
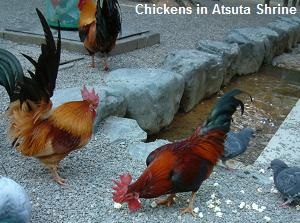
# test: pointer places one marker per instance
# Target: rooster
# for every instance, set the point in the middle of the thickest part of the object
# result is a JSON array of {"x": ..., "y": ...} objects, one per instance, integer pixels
[
  {"x": 181, "y": 166},
  {"x": 99, "y": 26},
  {"x": 36, "y": 129}
]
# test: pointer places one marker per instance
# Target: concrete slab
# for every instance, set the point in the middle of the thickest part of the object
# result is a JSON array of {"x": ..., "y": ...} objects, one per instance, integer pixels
[
  {"x": 123, "y": 45},
  {"x": 285, "y": 144}
]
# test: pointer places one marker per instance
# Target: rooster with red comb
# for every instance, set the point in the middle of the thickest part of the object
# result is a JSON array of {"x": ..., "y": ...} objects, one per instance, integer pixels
[
  {"x": 184, "y": 165},
  {"x": 36, "y": 129}
]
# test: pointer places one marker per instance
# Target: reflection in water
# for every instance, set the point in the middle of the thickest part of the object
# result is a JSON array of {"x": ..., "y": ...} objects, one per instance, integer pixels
[{"x": 274, "y": 91}]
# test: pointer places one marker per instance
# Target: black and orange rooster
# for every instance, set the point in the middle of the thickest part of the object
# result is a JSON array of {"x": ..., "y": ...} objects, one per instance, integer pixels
[
  {"x": 99, "y": 26},
  {"x": 181, "y": 166},
  {"x": 35, "y": 128}
]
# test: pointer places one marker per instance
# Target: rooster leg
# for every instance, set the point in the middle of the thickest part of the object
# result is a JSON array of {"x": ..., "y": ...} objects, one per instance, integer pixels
[
  {"x": 168, "y": 201},
  {"x": 93, "y": 62},
  {"x": 105, "y": 59},
  {"x": 286, "y": 203},
  {"x": 225, "y": 165},
  {"x": 56, "y": 176},
  {"x": 190, "y": 208}
]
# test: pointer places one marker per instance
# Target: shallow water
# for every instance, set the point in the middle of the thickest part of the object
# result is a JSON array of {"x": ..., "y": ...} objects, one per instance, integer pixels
[{"x": 274, "y": 91}]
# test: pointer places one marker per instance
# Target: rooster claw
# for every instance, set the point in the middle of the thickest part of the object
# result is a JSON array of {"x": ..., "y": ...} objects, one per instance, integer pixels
[
  {"x": 168, "y": 201},
  {"x": 60, "y": 180},
  {"x": 187, "y": 210},
  {"x": 106, "y": 68}
]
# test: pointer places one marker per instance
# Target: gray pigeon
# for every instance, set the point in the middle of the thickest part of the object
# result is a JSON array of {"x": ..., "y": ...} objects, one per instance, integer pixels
[
  {"x": 236, "y": 143},
  {"x": 15, "y": 206},
  {"x": 286, "y": 180}
]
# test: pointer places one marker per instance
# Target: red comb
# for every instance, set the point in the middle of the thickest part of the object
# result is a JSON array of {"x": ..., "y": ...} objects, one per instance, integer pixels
[
  {"x": 121, "y": 187},
  {"x": 90, "y": 95},
  {"x": 80, "y": 3}
]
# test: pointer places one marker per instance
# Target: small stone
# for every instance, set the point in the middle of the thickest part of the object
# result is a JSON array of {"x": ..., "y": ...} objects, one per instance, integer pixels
[
  {"x": 196, "y": 210},
  {"x": 154, "y": 204},
  {"x": 267, "y": 218},
  {"x": 228, "y": 202},
  {"x": 298, "y": 207},
  {"x": 242, "y": 205},
  {"x": 274, "y": 190},
  {"x": 219, "y": 214},
  {"x": 200, "y": 215},
  {"x": 209, "y": 202},
  {"x": 242, "y": 191},
  {"x": 218, "y": 201},
  {"x": 254, "y": 206},
  {"x": 234, "y": 211},
  {"x": 211, "y": 206},
  {"x": 217, "y": 209},
  {"x": 117, "y": 205},
  {"x": 261, "y": 171},
  {"x": 259, "y": 189},
  {"x": 261, "y": 209},
  {"x": 213, "y": 196},
  {"x": 216, "y": 184}
]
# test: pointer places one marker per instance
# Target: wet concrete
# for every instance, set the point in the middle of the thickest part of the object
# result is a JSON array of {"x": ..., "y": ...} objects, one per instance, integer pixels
[{"x": 275, "y": 91}]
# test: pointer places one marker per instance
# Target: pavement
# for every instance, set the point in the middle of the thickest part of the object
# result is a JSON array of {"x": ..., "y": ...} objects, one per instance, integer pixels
[{"x": 285, "y": 144}]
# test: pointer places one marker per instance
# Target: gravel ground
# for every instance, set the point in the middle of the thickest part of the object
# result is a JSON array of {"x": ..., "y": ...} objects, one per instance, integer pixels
[
  {"x": 177, "y": 31},
  {"x": 87, "y": 196}
]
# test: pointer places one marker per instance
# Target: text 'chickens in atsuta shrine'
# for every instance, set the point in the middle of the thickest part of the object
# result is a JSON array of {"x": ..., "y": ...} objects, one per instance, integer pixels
[{"x": 260, "y": 9}]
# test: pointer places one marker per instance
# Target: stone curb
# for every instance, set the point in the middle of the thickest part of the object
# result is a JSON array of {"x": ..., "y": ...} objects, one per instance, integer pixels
[
  {"x": 285, "y": 143},
  {"x": 122, "y": 46},
  {"x": 243, "y": 51}
]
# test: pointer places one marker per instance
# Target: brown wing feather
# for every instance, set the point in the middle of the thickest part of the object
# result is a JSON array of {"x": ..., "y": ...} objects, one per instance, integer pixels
[
  {"x": 87, "y": 13},
  {"x": 180, "y": 166},
  {"x": 155, "y": 180}
]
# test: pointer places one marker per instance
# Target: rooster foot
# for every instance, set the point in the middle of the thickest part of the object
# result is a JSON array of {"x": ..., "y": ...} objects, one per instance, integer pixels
[
  {"x": 59, "y": 180},
  {"x": 56, "y": 177},
  {"x": 229, "y": 169},
  {"x": 226, "y": 167},
  {"x": 285, "y": 204},
  {"x": 92, "y": 65},
  {"x": 106, "y": 67},
  {"x": 187, "y": 210},
  {"x": 168, "y": 201},
  {"x": 190, "y": 208}
]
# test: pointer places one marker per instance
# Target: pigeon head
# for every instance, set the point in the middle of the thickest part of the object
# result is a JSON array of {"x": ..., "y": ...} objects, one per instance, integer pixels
[
  {"x": 248, "y": 132},
  {"x": 277, "y": 165}
]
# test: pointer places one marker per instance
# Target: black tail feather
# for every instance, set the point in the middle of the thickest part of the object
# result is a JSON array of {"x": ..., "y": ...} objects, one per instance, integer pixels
[
  {"x": 42, "y": 82},
  {"x": 10, "y": 73},
  {"x": 108, "y": 20},
  {"x": 41, "y": 85}
]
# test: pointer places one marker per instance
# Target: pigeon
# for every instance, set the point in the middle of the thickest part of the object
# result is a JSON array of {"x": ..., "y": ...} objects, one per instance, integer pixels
[
  {"x": 286, "y": 180},
  {"x": 15, "y": 205},
  {"x": 236, "y": 143}
]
